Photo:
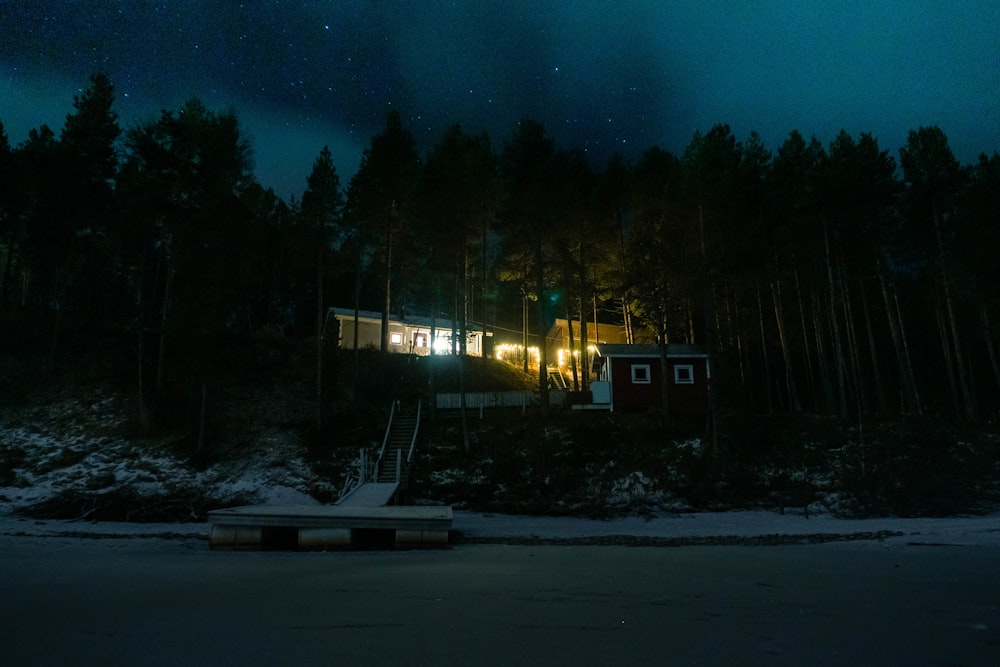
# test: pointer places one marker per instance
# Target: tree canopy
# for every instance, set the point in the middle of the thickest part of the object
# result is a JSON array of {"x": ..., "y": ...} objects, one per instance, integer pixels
[{"x": 825, "y": 278}]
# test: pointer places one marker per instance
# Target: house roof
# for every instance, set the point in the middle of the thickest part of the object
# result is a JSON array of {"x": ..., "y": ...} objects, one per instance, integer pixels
[
  {"x": 409, "y": 320},
  {"x": 674, "y": 350}
]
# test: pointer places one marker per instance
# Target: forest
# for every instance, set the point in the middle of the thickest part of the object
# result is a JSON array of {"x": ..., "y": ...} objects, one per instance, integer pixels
[{"x": 832, "y": 280}]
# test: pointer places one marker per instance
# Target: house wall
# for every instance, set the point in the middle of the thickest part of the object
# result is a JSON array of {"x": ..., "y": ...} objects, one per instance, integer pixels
[
  {"x": 407, "y": 335},
  {"x": 629, "y": 395},
  {"x": 369, "y": 334}
]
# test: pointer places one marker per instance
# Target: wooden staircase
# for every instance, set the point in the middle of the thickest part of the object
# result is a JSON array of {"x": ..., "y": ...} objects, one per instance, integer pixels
[
  {"x": 393, "y": 465},
  {"x": 382, "y": 482},
  {"x": 557, "y": 379}
]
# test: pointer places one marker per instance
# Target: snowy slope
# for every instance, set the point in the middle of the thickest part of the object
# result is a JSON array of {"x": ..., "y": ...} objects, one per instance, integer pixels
[{"x": 76, "y": 446}]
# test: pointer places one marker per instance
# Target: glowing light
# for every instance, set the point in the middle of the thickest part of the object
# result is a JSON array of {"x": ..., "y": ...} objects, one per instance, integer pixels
[
  {"x": 515, "y": 353},
  {"x": 563, "y": 354}
]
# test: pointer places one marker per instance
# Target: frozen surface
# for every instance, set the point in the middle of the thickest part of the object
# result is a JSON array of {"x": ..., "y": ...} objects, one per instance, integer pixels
[
  {"x": 968, "y": 531},
  {"x": 952, "y": 530}
]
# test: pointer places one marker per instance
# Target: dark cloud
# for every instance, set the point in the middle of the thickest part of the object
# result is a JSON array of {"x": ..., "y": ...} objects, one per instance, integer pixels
[{"x": 602, "y": 76}]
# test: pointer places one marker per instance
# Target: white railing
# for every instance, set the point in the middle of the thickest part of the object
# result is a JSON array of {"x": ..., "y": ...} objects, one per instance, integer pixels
[
  {"x": 362, "y": 473},
  {"x": 413, "y": 440},
  {"x": 366, "y": 470},
  {"x": 388, "y": 430}
]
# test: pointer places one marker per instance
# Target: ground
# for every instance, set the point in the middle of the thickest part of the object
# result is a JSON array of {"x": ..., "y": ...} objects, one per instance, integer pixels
[{"x": 71, "y": 448}]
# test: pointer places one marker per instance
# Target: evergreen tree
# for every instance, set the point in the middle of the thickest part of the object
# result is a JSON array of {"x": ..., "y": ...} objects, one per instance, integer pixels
[
  {"x": 9, "y": 216},
  {"x": 378, "y": 212},
  {"x": 456, "y": 201},
  {"x": 527, "y": 217},
  {"x": 89, "y": 143},
  {"x": 182, "y": 181},
  {"x": 320, "y": 214},
  {"x": 933, "y": 180}
]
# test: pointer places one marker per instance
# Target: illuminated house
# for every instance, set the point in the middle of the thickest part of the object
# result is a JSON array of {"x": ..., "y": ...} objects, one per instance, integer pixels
[
  {"x": 629, "y": 378},
  {"x": 407, "y": 334}
]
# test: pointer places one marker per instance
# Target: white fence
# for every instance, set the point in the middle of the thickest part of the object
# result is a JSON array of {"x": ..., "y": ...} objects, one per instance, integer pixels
[{"x": 486, "y": 399}]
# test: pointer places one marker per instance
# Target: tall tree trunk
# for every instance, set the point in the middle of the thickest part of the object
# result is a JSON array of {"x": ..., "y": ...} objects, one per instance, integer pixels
[
  {"x": 853, "y": 349},
  {"x": 873, "y": 353},
  {"x": 823, "y": 361},
  {"x": 766, "y": 375},
  {"x": 201, "y": 419},
  {"x": 689, "y": 317},
  {"x": 908, "y": 386},
  {"x": 319, "y": 342},
  {"x": 838, "y": 349},
  {"x": 794, "y": 404},
  {"x": 572, "y": 347},
  {"x": 963, "y": 378},
  {"x": 460, "y": 305},
  {"x": 666, "y": 417},
  {"x": 143, "y": 407},
  {"x": 737, "y": 342},
  {"x": 356, "y": 355},
  {"x": 953, "y": 393},
  {"x": 584, "y": 349},
  {"x": 543, "y": 355},
  {"x": 164, "y": 311},
  {"x": 627, "y": 317},
  {"x": 597, "y": 325},
  {"x": 906, "y": 350},
  {"x": 623, "y": 267},
  {"x": 431, "y": 375},
  {"x": 714, "y": 316},
  {"x": 964, "y": 383},
  {"x": 810, "y": 370},
  {"x": 8, "y": 268},
  {"x": 50, "y": 358},
  {"x": 744, "y": 358},
  {"x": 386, "y": 307},
  {"x": 524, "y": 329}
]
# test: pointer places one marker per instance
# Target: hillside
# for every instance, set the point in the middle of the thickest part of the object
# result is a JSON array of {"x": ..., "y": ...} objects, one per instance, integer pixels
[{"x": 71, "y": 446}]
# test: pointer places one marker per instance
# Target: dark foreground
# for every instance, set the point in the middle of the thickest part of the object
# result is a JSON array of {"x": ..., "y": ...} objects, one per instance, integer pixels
[{"x": 72, "y": 601}]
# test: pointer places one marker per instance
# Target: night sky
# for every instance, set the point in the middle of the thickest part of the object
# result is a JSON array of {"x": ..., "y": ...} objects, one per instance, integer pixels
[{"x": 602, "y": 76}]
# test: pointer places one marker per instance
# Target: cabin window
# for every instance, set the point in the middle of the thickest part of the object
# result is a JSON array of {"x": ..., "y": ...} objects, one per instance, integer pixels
[
  {"x": 396, "y": 338},
  {"x": 640, "y": 374},
  {"x": 420, "y": 340},
  {"x": 683, "y": 374}
]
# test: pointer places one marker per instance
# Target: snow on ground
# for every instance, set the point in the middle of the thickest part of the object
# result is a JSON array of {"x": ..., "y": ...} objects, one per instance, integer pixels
[
  {"x": 955, "y": 531},
  {"x": 63, "y": 448},
  {"x": 952, "y": 530},
  {"x": 47, "y": 451}
]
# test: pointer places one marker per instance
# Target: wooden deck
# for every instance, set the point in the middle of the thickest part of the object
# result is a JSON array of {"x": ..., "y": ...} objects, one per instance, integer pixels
[{"x": 259, "y": 527}]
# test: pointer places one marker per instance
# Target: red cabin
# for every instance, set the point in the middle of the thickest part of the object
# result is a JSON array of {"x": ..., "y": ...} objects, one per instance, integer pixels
[{"x": 629, "y": 377}]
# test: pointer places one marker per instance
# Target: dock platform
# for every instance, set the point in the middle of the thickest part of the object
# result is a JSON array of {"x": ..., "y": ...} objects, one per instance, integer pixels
[{"x": 317, "y": 527}]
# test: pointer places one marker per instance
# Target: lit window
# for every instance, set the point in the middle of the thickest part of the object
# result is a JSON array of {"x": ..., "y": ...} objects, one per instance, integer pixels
[
  {"x": 684, "y": 374},
  {"x": 396, "y": 338},
  {"x": 640, "y": 374}
]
